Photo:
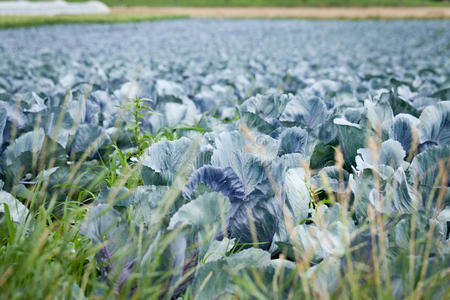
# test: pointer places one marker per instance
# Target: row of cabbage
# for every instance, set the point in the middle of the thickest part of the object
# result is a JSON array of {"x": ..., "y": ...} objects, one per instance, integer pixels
[{"x": 292, "y": 138}]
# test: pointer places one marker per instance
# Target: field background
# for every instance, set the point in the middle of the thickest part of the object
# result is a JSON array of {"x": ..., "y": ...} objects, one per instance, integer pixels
[
  {"x": 151, "y": 10},
  {"x": 215, "y": 3},
  {"x": 272, "y": 2}
]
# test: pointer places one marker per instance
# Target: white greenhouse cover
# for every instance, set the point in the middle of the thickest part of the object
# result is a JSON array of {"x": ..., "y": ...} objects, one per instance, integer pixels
[{"x": 51, "y": 8}]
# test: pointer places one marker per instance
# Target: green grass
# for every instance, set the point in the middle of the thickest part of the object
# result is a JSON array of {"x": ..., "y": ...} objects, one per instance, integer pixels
[
  {"x": 28, "y": 21},
  {"x": 274, "y": 2}
]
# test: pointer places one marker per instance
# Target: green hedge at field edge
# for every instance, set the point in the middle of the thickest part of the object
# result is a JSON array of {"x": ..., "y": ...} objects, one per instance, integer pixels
[
  {"x": 273, "y": 2},
  {"x": 28, "y": 21}
]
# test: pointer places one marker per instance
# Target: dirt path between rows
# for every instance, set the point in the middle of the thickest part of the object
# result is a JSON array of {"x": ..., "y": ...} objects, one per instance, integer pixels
[{"x": 293, "y": 12}]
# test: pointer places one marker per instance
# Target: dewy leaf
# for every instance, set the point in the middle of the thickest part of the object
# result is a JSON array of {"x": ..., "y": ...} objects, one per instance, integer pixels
[
  {"x": 265, "y": 148},
  {"x": 63, "y": 178},
  {"x": 103, "y": 225},
  {"x": 19, "y": 157},
  {"x": 324, "y": 278},
  {"x": 399, "y": 105},
  {"x": 119, "y": 196},
  {"x": 397, "y": 197},
  {"x": 401, "y": 233},
  {"x": 14, "y": 116},
  {"x": 222, "y": 180},
  {"x": 328, "y": 131},
  {"x": 293, "y": 140},
  {"x": 178, "y": 250},
  {"x": 77, "y": 292},
  {"x": 351, "y": 138},
  {"x": 379, "y": 114},
  {"x": 143, "y": 200},
  {"x": 426, "y": 172},
  {"x": 17, "y": 210},
  {"x": 207, "y": 217},
  {"x": 218, "y": 249},
  {"x": 406, "y": 198},
  {"x": 327, "y": 236},
  {"x": 231, "y": 152},
  {"x": 309, "y": 112},
  {"x": 404, "y": 130},
  {"x": 213, "y": 279},
  {"x": 259, "y": 213},
  {"x": 50, "y": 119},
  {"x": 263, "y": 111},
  {"x": 32, "y": 102},
  {"x": 100, "y": 222},
  {"x": 269, "y": 106},
  {"x": 205, "y": 212},
  {"x": 361, "y": 186},
  {"x": 167, "y": 90},
  {"x": 443, "y": 94},
  {"x": 354, "y": 115},
  {"x": 249, "y": 257},
  {"x": 254, "y": 121},
  {"x": 322, "y": 156},
  {"x": 297, "y": 194},
  {"x": 166, "y": 157},
  {"x": 282, "y": 270},
  {"x": 89, "y": 138},
  {"x": 30, "y": 142},
  {"x": 434, "y": 124},
  {"x": 177, "y": 114},
  {"x": 443, "y": 219},
  {"x": 391, "y": 154},
  {"x": 3, "y": 119},
  {"x": 329, "y": 179}
]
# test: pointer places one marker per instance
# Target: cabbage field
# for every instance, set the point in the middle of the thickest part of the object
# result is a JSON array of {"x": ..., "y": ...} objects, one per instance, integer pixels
[{"x": 225, "y": 159}]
